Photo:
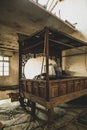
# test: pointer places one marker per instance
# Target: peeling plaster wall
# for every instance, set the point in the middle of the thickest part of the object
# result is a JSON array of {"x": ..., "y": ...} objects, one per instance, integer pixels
[
  {"x": 13, "y": 78},
  {"x": 76, "y": 64}
]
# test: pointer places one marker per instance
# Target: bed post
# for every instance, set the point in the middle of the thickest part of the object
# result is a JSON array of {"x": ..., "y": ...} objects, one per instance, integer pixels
[{"x": 46, "y": 45}]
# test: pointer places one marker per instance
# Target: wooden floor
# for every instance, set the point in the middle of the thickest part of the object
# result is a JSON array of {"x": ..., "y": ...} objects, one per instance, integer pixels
[{"x": 68, "y": 116}]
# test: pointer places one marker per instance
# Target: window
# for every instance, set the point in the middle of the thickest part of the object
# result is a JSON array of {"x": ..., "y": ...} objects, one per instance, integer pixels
[{"x": 4, "y": 66}]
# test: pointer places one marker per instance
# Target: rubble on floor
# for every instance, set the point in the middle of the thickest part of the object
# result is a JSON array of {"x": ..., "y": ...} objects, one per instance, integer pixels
[{"x": 68, "y": 116}]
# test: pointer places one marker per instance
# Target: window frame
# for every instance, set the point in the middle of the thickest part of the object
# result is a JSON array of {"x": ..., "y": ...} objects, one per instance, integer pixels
[{"x": 3, "y": 60}]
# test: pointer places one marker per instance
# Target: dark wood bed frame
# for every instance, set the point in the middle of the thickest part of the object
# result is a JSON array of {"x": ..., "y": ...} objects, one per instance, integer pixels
[{"x": 48, "y": 93}]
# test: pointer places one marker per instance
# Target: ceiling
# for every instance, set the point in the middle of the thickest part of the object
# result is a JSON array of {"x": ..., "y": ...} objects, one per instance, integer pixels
[{"x": 26, "y": 17}]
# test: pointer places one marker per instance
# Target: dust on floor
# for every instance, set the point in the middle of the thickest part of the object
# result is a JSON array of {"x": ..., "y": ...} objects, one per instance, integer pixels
[{"x": 68, "y": 116}]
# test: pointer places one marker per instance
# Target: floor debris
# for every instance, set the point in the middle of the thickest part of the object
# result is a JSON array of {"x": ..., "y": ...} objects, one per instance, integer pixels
[{"x": 68, "y": 116}]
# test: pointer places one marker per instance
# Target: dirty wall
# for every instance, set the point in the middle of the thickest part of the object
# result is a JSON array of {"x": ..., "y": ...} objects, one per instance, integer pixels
[
  {"x": 12, "y": 79},
  {"x": 75, "y": 62}
]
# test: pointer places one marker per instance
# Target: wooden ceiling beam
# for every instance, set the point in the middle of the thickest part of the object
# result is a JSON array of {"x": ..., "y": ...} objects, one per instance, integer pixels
[{"x": 65, "y": 44}]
